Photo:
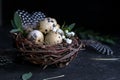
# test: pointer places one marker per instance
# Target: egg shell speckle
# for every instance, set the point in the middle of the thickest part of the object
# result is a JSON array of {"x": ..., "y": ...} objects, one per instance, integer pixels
[
  {"x": 36, "y": 36},
  {"x": 53, "y": 38}
]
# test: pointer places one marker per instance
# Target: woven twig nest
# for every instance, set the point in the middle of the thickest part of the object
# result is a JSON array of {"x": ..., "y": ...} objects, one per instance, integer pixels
[{"x": 60, "y": 54}]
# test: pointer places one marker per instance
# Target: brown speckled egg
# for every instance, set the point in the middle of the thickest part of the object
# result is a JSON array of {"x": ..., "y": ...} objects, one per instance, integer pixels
[
  {"x": 47, "y": 24},
  {"x": 53, "y": 38}
]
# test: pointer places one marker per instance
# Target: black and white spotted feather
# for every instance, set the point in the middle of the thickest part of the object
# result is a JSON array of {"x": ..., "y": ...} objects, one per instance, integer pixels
[
  {"x": 4, "y": 60},
  {"x": 98, "y": 46},
  {"x": 30, "y": 20}
]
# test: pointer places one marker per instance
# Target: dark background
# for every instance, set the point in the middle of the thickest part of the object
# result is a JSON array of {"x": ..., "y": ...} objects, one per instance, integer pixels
[{"x": 98, "y": 15}]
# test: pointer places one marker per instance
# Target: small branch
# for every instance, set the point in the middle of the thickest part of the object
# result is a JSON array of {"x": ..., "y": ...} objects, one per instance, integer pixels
[
  {"x": 54, "y": 77},
  {"x": 105, "y": 59}
]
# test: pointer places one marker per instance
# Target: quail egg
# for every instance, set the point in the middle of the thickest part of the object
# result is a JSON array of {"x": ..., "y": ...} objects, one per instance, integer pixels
[
  {"x": 36, "y": 36},
  {"x": 53, "y": 38},
  {"x": 47, "y": 24},
  {"x": 55, "y": 28}
]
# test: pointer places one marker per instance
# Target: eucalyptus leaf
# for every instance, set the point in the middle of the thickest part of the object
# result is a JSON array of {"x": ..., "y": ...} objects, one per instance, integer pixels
[
  {"x": 71, "y": 26},
  {"x": 12, "y": 22},
  {"x": 99, "y": 38},
  {"x": 26, "y": 76},
  {"x": 110, "y": 41},
  {"x": 68, "y": 27},
  {"x": 90, "y": 34},
  {"x": 17, "y": 22},
  {"x": 14, "y": 30}
]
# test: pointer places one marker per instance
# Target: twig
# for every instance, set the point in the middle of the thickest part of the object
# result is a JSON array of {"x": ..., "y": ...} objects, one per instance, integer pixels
[
  {"x": 54, "y": 77},
  {"x": 105, "y": 59}
]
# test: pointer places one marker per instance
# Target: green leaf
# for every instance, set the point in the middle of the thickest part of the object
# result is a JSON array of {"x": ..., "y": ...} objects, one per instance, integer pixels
[
  {"x": 13, "y": 24},
  {"x": 71, "y": 26},
  {"x": 17, "y": 22},
  {"x": 97, "y": 37},
  {"x": 110, "y": 41},
  {"x": 90, "y": 34},
  {"x": 68, "y": 27},
  {"x": 26, "y": 76},
  {"x": 14, "y": 30}
]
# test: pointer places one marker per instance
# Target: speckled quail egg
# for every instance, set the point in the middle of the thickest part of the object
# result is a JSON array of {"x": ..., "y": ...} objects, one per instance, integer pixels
[
  {"x": 36, "y": 36},
  {"x": 55, "y": 28},
  {"x": 47, "y": 24},
  {"x": 53, "y": 38}
]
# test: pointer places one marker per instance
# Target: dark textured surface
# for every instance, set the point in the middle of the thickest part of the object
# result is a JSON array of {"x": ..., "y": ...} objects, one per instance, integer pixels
[{"x": 81, "y": 68}]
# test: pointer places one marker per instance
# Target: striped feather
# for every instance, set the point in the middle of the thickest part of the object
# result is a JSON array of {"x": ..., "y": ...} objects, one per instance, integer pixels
[
  {"x": 4, "y": 60},
  {"x": 98, "y": 46}
]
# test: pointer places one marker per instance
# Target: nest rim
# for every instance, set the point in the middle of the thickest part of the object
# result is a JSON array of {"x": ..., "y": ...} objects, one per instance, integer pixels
[{"x": 60, "y": 55}]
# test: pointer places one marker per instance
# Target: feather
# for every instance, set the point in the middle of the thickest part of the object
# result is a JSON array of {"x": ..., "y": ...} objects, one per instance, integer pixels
[
  {"x": 98, "y": 46},
  {"x": 30, "y": 19},
  {"x": 4, "y": 60}
]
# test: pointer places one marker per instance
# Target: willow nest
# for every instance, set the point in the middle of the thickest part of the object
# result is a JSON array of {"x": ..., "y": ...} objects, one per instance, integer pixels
[{"x": 60, "y": 55}]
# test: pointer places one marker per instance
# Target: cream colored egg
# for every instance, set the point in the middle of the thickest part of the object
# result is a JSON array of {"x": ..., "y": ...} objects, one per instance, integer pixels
[
  {"x": 57, "y": 26},
  {"x": 53, "y": 38},
  {"x": 47, "y": 24},
  {"x": 36, "y": 36}
]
